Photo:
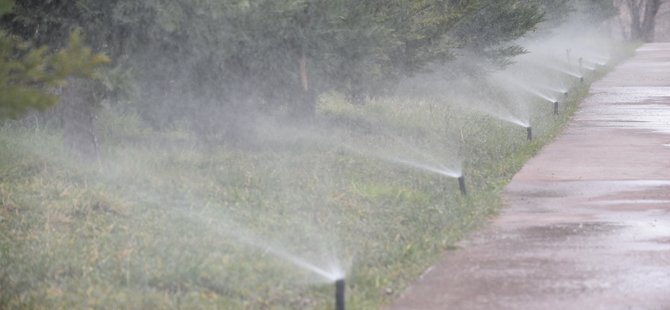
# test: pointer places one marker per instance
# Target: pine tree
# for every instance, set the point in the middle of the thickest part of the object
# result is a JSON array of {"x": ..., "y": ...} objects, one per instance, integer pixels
[{"x": 27, "y": 72}]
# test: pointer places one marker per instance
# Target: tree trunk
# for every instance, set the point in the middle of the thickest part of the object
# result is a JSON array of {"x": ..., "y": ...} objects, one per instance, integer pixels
[
  {"x": 634, "y": 9},
  {"x": 643, "y": 19},
  {"x": 648, "y": 27},
  {"x": 77, "y": 111},
  {"x": 304, "y": 105}
]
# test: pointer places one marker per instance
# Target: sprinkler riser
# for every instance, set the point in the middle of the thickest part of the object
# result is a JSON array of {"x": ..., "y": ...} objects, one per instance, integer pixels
[
  {"x": 339, "y": 294},
  {"x": 556, "y": 107},
  {"x": 461, "y": 185},
  {"x": 529, "y": 133}
]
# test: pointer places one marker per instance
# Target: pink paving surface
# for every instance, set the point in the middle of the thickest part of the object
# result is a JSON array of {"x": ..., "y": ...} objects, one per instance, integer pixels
[{"x": 587, "y": 222}]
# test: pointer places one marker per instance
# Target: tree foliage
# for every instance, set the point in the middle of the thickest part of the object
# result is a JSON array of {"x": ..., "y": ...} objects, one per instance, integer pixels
[
  {"x": 26, "y": 72},
  {"x": 492, "y": 29},
  {"x": 597, "y": 11},
  {"x": 279, "y": 55}
]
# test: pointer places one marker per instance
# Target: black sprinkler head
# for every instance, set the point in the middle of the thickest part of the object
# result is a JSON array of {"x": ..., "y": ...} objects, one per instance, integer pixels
[
  {"x": 461, "y": 185},
  {"x": 339, "y": 294},
  {"x": 529, "y": 133},
  {"x": 556, "y": 107}
]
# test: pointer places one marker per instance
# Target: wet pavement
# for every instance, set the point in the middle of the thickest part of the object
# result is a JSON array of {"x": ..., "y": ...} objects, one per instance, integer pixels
[{"x": 588, "y": 219}]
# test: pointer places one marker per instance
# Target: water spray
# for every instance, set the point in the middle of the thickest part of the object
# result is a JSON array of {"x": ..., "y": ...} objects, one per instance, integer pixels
[
  {"x": 595, "y": 63},
  {"x": 339, "y": 294},
  {"x": 461, "y": 184},
  {"x": 529, "y": 133}
]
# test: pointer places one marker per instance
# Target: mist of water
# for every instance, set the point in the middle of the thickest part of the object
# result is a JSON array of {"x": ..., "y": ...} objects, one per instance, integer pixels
[
  {"x": 563, "y": 70},
  {"x": 509, "y": 110},
  {"x": 596, "y": 62},
  {"x": 316, "y": 257},
  {"x": 441, "y": 170},
  {"x": 424, "y": 161},
  {"x": 533, "y": 91},
  {"x": 561, "y": 91},
  {"x": 327, "y": 267},
  {"x": 321, "y": 261},
  {"x": 501, "y": 113},
  {"x": 590, "y": 68},
  {"x": 594, "y": 57}
]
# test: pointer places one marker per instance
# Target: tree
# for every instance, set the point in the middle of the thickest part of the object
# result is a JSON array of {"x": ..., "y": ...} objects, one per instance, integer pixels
[
  {"x": 511, "y": 19},
  {"x": 220, "y": 62},
  {"x": 596, "y": 11},
  {"x": 642, "y": 14},
  {"x": 27, "y": 72}
]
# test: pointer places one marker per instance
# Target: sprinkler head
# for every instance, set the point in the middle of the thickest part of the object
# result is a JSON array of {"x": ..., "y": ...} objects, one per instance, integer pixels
[
  {"x": 339, "y": 294},
  {"x": 566, "y": 93},
  {"x": 461, "y": 185},
  {"x": 556, "y": 107},
  {"x": 529, "y": 133},
  {"x": 581, "y": 79}
]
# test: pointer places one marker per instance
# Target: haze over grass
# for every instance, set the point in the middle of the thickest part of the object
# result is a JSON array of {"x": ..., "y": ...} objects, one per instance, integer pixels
[{"x": 165, "y": 217}]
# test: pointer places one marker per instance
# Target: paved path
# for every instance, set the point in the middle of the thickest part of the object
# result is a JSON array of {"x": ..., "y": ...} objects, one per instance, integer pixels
[{"x": 588, "y": 219}]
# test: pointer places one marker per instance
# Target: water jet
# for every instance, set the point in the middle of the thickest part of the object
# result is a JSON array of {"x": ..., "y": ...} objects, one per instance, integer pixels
[
  {"x": 597, "y": 61},
  {"x": 339, "y": 294},
  {"x": 534, "y": 91},
  {"x": 442, "y": 170},
  {"x": 576, "y": 74},
  {"x": 461, "y": 184},
  {"x": 561, "y": 91},
  {"x": 529, "y": 133}
]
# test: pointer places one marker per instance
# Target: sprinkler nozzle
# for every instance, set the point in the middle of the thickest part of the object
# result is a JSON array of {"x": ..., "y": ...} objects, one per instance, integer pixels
[
  {"x": 339, "y": 294},
  {"x": 461, "y": 185},
  {"x": 556, "y": 107},
  {"x": 581, "y": 79},
  {"x": 529, "y": 132},
  {"x": 565, "y": 93}
]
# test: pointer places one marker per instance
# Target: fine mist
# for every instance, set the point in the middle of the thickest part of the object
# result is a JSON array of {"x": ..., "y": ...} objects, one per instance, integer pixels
[{"x": 249, "y": 154}]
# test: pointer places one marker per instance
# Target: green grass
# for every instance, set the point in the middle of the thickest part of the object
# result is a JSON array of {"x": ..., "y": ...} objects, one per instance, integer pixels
[{"x": 157, "y": 222}]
